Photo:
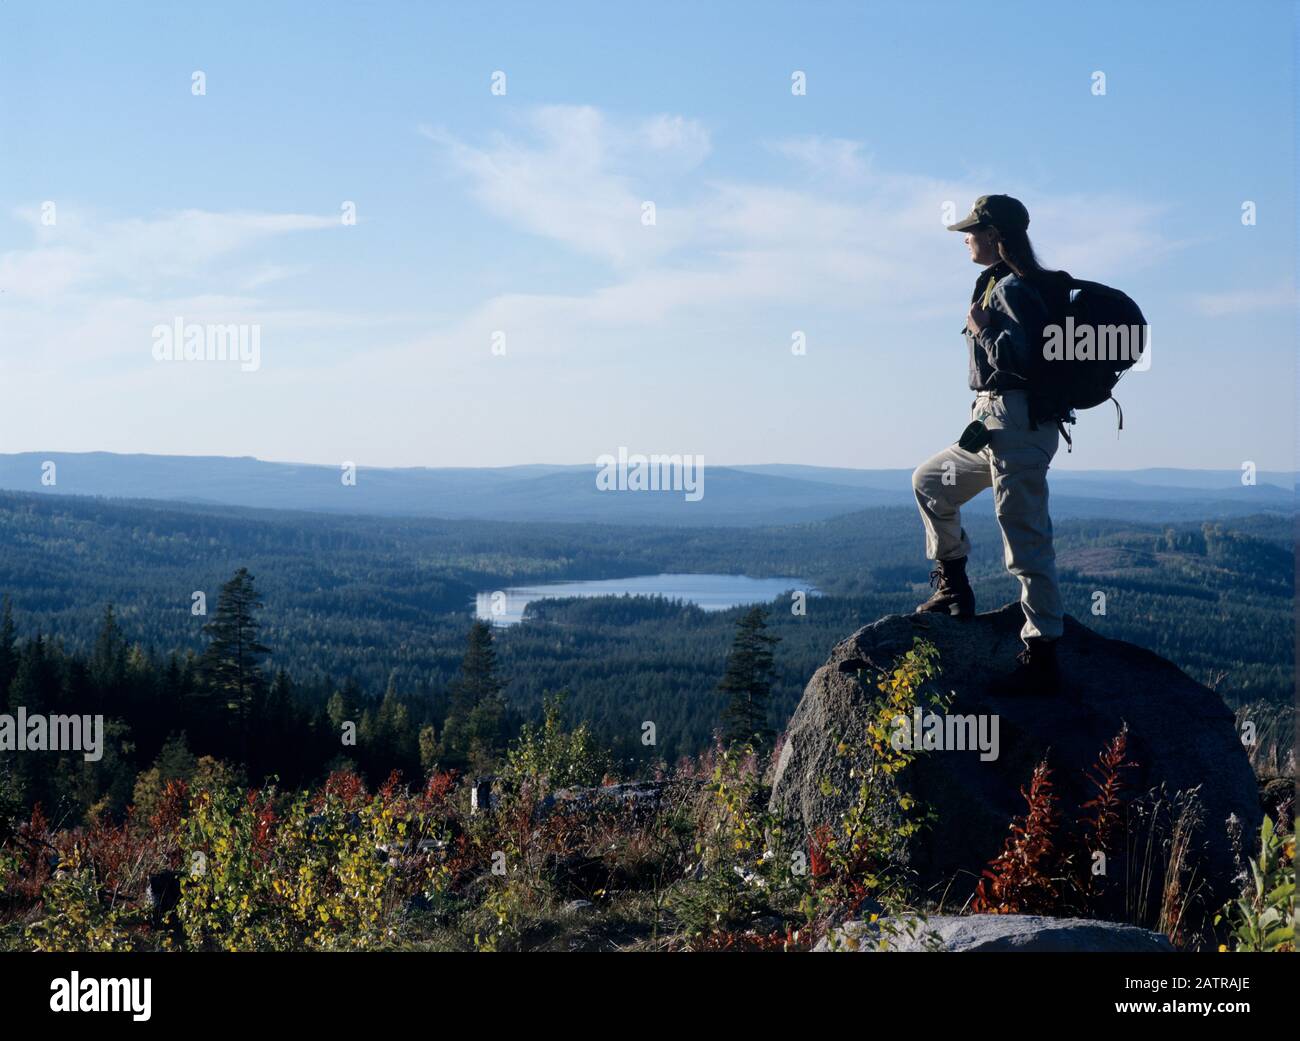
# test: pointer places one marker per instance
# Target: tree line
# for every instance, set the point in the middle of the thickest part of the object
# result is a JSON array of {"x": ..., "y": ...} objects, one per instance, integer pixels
[{"x": 224, "y": 711}]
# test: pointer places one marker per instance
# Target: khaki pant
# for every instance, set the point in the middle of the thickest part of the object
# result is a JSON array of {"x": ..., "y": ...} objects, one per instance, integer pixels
[{"x": 1015, "y": 466}]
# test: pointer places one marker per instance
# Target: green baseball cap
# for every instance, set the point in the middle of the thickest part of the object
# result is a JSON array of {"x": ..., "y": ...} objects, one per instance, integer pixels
[{"x": 1000, "y": 211}]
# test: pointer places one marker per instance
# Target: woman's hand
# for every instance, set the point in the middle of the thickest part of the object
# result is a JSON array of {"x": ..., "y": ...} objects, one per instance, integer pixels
[{"x": 978, "y": 319}]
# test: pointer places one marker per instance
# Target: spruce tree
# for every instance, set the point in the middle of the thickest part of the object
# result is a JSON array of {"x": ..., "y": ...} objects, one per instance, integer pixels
[
  {"x": 478, "y": 669},
  {"x": 35, "y": 687},
  {"x": 108, "y": 660},
  {"x": 473, "y": 733},
  {"x": 232, "y": 663},
  {"x": 8, "y": 649},
  {"x": 748, "y": 682}
]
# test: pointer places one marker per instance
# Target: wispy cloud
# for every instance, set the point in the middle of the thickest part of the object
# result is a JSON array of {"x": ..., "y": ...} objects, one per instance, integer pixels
[
  {"x": 574, "y": 176},
  {"x": 90, "y": 290},
  {"x": 1247, "y": 301},
  {"x": 836, "y": 158},
  {"x": 82, "y": 253},
  {"x": 840, "y": 234}
]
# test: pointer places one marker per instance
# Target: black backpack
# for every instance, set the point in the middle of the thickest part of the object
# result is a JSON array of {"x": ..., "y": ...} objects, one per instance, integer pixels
[{"x": 1093, "y": 335}]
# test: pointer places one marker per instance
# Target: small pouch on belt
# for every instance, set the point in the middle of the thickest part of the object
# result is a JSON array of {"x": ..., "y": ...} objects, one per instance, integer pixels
[{"x": 975, "y": 437}]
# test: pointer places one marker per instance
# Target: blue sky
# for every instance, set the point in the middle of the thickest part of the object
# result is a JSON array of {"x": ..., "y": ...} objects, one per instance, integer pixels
[{"x": 522, "y": 214}]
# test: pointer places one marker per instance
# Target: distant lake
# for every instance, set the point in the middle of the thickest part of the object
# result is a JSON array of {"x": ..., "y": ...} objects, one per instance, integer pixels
[{"x": 710, "y": 592}]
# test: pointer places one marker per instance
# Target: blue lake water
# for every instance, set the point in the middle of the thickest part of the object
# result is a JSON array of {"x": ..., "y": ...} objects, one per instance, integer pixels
[{"x": 710, "y": 592}]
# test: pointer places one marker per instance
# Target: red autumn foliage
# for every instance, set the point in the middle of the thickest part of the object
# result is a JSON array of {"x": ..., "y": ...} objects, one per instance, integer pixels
[
  {"x": 264, "y": 828},
  {"x": 439, "y": 788},
  {"x": 392, "y": 785},
  {"x": 40, "y": 857},
  {"x": 345, "y": 786},
  {"x": 1038, "y": 874},
  {"x": 172, "y": 807},
  {"x": 1102, "y": 821},
  {"x": 752, "y": 942},
  {"x": 117, "y": 852},
  {"x": 1017, "y": 880},
  {"x": 819, "y": 864}
]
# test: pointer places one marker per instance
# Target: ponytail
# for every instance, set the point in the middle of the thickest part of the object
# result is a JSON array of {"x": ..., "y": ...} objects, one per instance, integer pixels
[{"x": 1017, "y": 252}]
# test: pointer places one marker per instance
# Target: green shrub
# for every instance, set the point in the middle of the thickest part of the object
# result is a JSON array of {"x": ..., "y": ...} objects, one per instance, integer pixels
[{"x": 1263, "y": 917}]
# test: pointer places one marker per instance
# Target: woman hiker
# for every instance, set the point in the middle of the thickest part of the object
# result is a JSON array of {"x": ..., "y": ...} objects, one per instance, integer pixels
[{"x": 1002, "y": 448}]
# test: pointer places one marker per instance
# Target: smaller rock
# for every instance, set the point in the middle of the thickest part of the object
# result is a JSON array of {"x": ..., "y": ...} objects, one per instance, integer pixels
[
  {"x": 164, "y": 892},
  {"x": 994, "y": 932}
]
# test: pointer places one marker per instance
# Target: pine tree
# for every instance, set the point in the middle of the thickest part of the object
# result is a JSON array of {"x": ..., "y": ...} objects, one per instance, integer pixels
[
  {"x": 108, "y": 660},
  {"x": 8, "y": 649},
  {"x": 393, "y": 727},
  {"x": 35, "y": 687},
  {"x": 232, "y": 662},
  {"x": 279, "y": 714},
  {"x": 748, "y": 682},
  {"x": 478, "y": 677},
  {"x": 36, "y": 680},
  {"x": 473, "y": 733}
]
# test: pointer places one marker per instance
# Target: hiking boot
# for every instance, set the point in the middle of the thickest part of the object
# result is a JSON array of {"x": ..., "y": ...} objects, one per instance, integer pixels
[
  {"x": 1037, "y": 672},
  {"x": 952, "y": 594}
]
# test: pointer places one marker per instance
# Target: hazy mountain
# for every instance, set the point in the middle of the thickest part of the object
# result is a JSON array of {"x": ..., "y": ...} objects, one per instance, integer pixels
[
  {"x": 1136, "y": 484},
  {"x": 733, "y": 495}
]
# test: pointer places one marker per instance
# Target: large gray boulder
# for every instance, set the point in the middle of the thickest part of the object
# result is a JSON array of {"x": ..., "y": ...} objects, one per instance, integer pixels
[
  {"x": 1181, "y": 735},
  {"x": 994, "y": 932}
]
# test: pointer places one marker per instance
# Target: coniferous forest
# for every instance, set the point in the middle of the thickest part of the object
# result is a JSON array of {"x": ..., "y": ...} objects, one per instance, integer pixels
[{"x": 313, "y": 622}]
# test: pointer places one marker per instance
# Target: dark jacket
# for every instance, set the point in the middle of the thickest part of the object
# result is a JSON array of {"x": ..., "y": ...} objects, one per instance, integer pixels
[{"x": 1001, "y": 356}]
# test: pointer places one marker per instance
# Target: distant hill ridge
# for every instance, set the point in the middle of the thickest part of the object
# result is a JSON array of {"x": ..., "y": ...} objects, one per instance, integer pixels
[{"x": 733, "y": 495}]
